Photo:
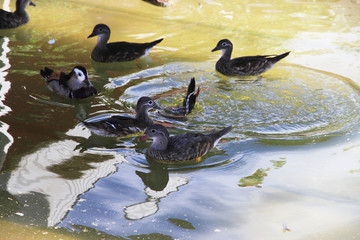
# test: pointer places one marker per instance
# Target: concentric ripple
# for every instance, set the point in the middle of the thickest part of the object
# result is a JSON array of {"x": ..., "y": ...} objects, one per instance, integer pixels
[{"x": 287, "y": 102}]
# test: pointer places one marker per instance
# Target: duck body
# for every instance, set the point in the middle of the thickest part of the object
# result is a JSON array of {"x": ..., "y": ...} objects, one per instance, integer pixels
[
  {"x": 117, "y": 51},
  {"x": 17, "y": 18},
  {"x": 188, "y": 103},
  {"x": 180, "y": 148},
  {"x": 74, "y": 85},
  {"x": 243, "y": 66},
  {"x": 120, "y": 125}
]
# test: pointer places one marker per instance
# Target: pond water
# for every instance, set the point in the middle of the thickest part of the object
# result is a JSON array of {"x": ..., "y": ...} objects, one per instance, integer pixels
[{"x": 289, "y": 169}]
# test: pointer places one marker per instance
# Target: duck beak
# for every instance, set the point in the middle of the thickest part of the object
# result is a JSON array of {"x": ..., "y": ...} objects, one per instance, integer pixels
[
  {"x": 87, "y": 82},
  {"x": 156, "y": 106},
  {"x": 32, "y": 4},
  {"x": 215, "y": 49},
  {"x": 91, "y": 35},
  {"x": 144, "y": 137}
]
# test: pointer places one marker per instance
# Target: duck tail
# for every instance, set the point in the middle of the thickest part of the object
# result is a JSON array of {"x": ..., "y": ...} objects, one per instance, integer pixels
[
  {"x": 156, "y": 41},
  {"x": 281, "y": 56},
  {"x": 46, "y": 73},
  {"x": 217, "y": 135},
  {"x": 191, "y": 95},
  {"x": 223, "y": 131}
]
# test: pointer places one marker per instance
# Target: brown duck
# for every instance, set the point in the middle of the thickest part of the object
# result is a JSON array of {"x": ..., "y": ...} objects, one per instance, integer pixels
[
  {"x": 243, "y": 66},
  {"x": 179, "y": 148}
]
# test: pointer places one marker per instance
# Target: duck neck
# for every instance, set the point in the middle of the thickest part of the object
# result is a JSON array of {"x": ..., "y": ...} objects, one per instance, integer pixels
[
  {"x": 102, "y": 40},
  {"x": 20, "y": 7},
  {"x": 226, "y": 53},
  {"x": 160, "y": 143},
  {"x": 143, "y": 116}
]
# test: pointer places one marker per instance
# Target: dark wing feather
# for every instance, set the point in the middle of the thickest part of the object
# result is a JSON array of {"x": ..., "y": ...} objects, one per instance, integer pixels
[
  {"x": 11, "y": 20},
  {"x": 125, "y": 51},
  {"x": 116, "y": 125},
  {"x": 189, "y": 146}
]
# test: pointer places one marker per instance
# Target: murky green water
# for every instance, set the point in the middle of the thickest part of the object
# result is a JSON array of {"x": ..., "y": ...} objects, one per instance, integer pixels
[{"x": 289, "y": 169}]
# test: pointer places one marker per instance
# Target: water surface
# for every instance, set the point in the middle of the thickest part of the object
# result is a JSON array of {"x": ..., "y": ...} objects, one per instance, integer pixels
[{"x": 288, "y": 170}]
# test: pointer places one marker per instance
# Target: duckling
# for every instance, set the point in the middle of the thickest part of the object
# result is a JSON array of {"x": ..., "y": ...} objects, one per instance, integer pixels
[
  {"x": 117, "y": 51},
  {"x": 180, "y": 148},
  {"x": 17, "y": 18},
  {"x": 73, "y": 85},
  {"x": 243, "y": 66}
]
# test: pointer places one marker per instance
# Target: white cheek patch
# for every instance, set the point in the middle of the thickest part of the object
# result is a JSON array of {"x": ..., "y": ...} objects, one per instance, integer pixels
[{"x": 80, "y": 74}]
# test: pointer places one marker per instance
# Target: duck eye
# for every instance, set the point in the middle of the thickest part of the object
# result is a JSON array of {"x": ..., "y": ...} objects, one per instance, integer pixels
[
  {"x": 224, "y": 44},
  {"x": 80, "y": 74},
  {"x": 153, "y": 130},
  {"x": 100, "y": 29},
  {"x": 150, "y": 102}
]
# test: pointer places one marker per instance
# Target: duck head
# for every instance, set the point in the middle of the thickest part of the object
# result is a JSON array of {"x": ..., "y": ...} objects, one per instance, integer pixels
[
  {"x": 225, "y": 45},
  {"x": 159, "y": 134},
  {"x": 102, "y": 31},
  {"x": 145, "y": 104},
  {"x": 78, "y": 78}
]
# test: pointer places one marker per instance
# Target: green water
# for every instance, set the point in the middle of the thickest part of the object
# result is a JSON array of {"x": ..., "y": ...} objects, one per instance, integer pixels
[{"x": 289, "y": 169}]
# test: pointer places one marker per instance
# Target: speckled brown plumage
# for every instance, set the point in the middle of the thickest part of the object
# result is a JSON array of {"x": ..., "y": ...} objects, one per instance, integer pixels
[
  {"x": 179, "y": 148},
  {"x": 243, "y": 66}
]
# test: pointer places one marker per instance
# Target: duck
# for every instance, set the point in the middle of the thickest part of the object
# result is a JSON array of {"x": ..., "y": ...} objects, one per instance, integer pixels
[
  {"x": 179, "y": 148},
  {"x": 243, "y": 66},
  {"x": 17, "y": 18},
  {"x": 120, "y": 125},
  {"x": 117, "y": 51},
  {"x": 188, "y": 102},
  {"x": 75, "y": 85}
]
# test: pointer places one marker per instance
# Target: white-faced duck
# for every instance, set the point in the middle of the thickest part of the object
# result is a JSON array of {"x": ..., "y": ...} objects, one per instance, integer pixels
[{"x": 73, "y": 85}]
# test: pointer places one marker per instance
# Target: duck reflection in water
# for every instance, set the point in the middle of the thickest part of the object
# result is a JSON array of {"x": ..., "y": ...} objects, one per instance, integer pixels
[{"x": 158, "y": 185}]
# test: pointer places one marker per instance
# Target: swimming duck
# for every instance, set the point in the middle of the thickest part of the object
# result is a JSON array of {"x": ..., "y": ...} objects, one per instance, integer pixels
[
  {"x": 73, "y": 85},
  {"x": 17, "y": 18},
  {"x": 188, "y": 103},
  {"x": 117, "y": 51},
  {"x": 179, "y": 148},
  {"x": 243, "y": 66},
  {"x": 118, "y": 125}
]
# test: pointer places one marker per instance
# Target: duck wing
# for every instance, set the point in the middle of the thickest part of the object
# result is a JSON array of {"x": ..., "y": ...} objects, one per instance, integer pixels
[
  {"x": 116, "y": 125},
  {"x": 254, "y": 65},
  {"x": 190, "y": 146},
  {"x": 125, "y": 51}
]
